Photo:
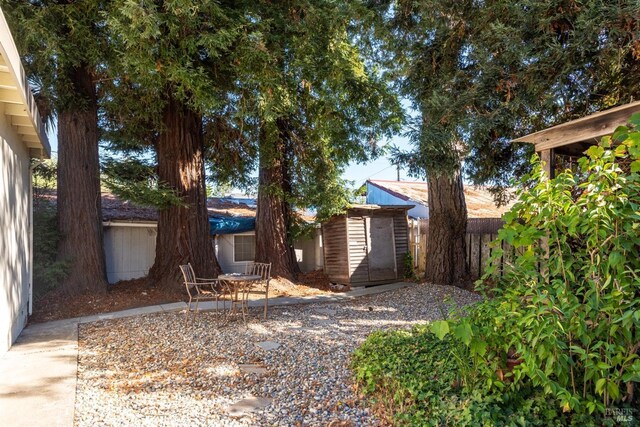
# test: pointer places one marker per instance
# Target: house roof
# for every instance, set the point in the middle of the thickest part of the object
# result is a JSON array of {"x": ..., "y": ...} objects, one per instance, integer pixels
[
  {"x": 115, "y": 209},
  {"x": 480, "y": 203},
  {"x": 582, "y": 132},
  {"x": 16, "y": 97}
]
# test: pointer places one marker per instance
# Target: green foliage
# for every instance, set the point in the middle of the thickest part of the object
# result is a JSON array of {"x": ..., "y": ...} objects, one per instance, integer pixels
[
  {"x": 412, "y": 380},
  {"x": 409, "y": 268},
  {"x": 559, "y": 341},
  {"x": 55, "y": 38},
  {"x": 136, "y": 180},
  {"x": 571, "y": 296},
  {"x": 47, "y": 272}
]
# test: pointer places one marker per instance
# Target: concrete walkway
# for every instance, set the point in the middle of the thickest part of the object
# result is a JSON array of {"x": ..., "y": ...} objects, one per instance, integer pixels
[{"x": 38, "y": 374}]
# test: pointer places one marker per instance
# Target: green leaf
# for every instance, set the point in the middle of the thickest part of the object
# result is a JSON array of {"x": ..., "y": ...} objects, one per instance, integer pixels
[
  {"x": 463, "y": 332},
  {"x": 440, "y": 328},
  {"x": 595, "y": 151},
  {"x": 635, "y": 119},
  {"x": 478, "y": 347}
]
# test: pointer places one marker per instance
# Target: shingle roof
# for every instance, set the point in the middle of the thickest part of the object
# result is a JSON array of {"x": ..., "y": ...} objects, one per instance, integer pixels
[
  {"x": 479, "y": 200},
  {"x": 115, "y": 209}
]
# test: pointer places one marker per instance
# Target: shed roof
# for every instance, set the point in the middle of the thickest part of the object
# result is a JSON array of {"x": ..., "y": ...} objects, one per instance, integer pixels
[
  {"x": 480, "y": 203},
  {"x": 575, "y": 136},
  {"x": 18, "y": 103}
]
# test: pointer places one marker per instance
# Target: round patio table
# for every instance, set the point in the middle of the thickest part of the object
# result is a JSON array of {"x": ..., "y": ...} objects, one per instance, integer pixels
[{"x": 238, "y": 285}]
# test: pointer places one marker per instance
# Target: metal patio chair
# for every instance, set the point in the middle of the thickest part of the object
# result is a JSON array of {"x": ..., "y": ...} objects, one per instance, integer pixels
[
  {"x": 260, "y": 286},
  {"x": 200, "y": 289}
]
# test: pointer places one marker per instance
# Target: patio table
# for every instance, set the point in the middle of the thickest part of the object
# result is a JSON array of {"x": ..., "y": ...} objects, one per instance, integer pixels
[{"x": 238, "y": 285}]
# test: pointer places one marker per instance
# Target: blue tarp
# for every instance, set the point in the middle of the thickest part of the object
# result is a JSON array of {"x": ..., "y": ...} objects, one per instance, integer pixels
[{"x": 230, "y": 225}]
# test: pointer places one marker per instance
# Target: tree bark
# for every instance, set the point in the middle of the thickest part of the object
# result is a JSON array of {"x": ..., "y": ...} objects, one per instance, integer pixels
[
  {"x": 183, "y": 231},
  {"x": 446, "y": 247},
  {"x": 273, "y": 215},
  {"x": 79, "y": 199}
]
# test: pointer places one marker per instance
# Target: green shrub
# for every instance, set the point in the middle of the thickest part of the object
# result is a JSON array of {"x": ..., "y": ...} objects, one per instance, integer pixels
[
  {"x": 47, "y": 272},
  {"x": 574, "y": 318},
  {"x": 559, "y": 341},
  {"x": 412, "y": 380}
]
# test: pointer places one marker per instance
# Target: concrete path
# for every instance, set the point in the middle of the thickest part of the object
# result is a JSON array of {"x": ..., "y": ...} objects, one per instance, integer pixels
[{"x": 38, "y": 374}]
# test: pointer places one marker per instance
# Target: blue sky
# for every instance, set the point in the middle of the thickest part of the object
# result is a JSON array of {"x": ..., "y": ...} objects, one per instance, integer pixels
[{"x": 380, "y": 168}]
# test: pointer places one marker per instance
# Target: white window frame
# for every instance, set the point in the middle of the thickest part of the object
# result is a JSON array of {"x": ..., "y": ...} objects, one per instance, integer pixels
[{"x": 233, "y": 244}]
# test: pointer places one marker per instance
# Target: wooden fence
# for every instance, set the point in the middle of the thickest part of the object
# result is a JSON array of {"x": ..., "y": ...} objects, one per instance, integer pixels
[{"x": 480, "y": 233}]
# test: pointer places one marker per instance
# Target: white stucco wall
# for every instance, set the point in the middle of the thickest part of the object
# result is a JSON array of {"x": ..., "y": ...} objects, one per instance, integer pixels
[
  {"x": 377, "y": 196},
  {"x": 308, "y": 253},
  {"x": 15, "y": 244},
  {"x": 129, "y": 251},
  {"x": 224, "y": 253}
]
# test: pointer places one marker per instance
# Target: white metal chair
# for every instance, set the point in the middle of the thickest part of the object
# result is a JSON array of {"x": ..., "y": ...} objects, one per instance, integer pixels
[
  {"x": 262, "y": 286},
  {"x": 199, "y": 289}
]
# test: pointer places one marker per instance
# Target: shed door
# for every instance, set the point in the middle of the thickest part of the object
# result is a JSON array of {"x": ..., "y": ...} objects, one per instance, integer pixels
[{"x": 381, "y": 249}]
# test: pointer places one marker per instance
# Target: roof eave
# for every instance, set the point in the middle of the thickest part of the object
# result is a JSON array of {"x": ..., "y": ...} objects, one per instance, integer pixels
[
  {"x": 587, "y": 129},
  {"x": 19, "y": 103}
]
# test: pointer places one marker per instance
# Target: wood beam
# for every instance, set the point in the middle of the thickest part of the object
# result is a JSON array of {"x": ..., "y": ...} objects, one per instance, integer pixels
[
  {"x": 26, "y": 131},
  {"x": 586, "y": 129},
  {"x": 31, "y": 138},
  {"x": 16, "y": 110},
  {"x": 6, "y": 82},
  {"x": 21, "y": 121},
  {"x": 10, "y": 96},
  {"x": 548, "y": 162}
]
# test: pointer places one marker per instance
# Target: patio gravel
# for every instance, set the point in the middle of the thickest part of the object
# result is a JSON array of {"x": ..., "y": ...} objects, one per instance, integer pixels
[{"x": 153, "y": 370}]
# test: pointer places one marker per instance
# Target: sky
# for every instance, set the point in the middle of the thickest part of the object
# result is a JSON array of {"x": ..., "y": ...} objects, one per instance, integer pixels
[{"x": 380, "y": 168}]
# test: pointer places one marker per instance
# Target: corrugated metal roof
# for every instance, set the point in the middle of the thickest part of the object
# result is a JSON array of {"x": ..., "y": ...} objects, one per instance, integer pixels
[{"x": 479, "y": 200}]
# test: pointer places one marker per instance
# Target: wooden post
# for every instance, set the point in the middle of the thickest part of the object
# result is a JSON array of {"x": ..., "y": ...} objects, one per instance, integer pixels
[{"x": 548, "y": 162}]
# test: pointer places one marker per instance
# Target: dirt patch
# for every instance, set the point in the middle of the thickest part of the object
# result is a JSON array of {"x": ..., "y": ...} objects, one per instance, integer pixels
[{"x": 135, "y": 293}]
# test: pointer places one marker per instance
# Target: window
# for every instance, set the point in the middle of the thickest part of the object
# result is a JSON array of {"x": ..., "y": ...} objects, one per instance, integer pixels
[{"x": 244, "y": 248}]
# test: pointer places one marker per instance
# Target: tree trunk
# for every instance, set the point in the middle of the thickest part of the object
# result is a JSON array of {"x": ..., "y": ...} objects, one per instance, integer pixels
[
  {"x": 79, "y": 199},
  {"x": 446, "y": 247},
  {"x": 273, "y": 215},
  {"x": 183, "y": 231}
]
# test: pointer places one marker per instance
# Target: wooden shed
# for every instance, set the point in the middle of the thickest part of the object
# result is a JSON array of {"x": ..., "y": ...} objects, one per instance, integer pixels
[{"x": 366, "y": 245}]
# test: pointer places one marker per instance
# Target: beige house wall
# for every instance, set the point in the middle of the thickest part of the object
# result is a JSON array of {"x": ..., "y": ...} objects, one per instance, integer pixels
[
  {"x": 15, "y": 240},
  {"x": 22, "y": 136}
]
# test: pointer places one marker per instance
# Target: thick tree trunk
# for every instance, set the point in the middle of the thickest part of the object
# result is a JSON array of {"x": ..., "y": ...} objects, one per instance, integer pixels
[
  {"x": 446, "y": 247},
  {"x": 79, "y": 200},
  {"x": 273, "y": 216},
  {"x": 183, "y": 231}
]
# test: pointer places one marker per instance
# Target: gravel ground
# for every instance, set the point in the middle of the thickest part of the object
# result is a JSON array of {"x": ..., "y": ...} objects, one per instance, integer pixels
[{"x": 153, "y": 370}]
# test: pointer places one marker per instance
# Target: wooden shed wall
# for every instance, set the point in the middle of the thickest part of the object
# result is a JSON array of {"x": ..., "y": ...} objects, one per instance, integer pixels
[
  {"x": 335, "y": 243},
  {"x": 401, "y": 236},
  {"x": 358, "y": 262},
  {"x": 346, "y": 246}
]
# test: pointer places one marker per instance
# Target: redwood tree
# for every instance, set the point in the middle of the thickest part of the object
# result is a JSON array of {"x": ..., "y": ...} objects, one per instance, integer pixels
[
  {"x": 174, "y": 53},
  {"x": 183, "y": 230},
  {"x": 63, "y": 45},
  {"x": 318, "y": 106}
]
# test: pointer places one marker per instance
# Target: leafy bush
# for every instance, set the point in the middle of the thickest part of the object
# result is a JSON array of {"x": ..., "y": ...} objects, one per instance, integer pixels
[
  {"x": 559, "y": 341},
  {"x": 413, "y": 380},
  {"x": 574, "y": 318},
  {"x": 47, "y": 272}
]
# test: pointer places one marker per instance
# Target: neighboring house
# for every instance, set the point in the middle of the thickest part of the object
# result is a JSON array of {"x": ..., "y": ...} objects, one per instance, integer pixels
[
  {"x": 22, "y": 138},
  {"x": 130, "y": 238},
  {"x": 479, "y": 201}
]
